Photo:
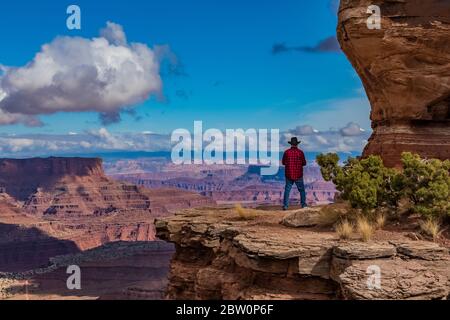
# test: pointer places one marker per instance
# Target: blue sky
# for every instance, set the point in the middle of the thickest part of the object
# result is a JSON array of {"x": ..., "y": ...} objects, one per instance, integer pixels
[{"x": 230, "y": 77}]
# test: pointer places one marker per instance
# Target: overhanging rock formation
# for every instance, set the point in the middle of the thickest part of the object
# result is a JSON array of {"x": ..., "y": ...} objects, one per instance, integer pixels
[{"x": 405, "y": 69}]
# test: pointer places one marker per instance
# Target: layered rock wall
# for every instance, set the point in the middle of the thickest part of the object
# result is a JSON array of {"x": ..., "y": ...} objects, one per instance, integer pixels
[
  {"x": 405, "y": 69},
  {"x": 21, "y": 177},
  {"x": 57, "y": 206},
  {"x": 219, "y": 256}
]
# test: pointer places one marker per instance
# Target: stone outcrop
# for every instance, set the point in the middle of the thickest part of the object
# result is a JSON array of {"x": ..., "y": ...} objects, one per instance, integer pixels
[
  {"x": 405, "y": 69},
  {"x": 302, "y": 218},
  {"x": 220, "y": 256},
  {"x": 9, "y": 207},
  {"x": 21, "y": 177}
]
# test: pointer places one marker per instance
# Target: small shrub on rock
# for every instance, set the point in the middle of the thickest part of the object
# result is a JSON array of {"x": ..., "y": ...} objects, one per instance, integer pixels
[
  {"x": 427, "y": 185},
  {"x": 367, "y": 184}
]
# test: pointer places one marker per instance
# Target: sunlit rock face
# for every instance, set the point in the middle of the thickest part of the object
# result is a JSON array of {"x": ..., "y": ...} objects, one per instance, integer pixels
[
  {"x": 56, "y": 206},
  {"x": 405, "y": 69},
  {"x": 221, "y": 256}
]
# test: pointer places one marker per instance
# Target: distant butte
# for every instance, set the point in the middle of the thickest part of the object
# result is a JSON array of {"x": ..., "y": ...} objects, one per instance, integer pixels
[
  {"x": 405, "y": 69},
  {"x": 21, "y": 177},
  {"x": 77, "y": 187}
]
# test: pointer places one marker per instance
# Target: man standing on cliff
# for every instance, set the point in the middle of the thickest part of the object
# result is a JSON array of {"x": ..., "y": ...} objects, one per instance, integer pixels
[{"x": 294, "y": 161}]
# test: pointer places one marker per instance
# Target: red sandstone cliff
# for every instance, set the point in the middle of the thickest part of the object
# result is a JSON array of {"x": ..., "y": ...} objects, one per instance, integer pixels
[
  {"x": 21, "y": 177},
  {"x": 76, "y": 187},
  {"x": 405, "y": 69},
  {"x": 58, "y": 206}
]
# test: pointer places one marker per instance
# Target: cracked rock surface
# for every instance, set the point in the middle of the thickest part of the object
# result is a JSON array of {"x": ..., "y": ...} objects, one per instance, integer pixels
[{"x": 220, "y": 256}]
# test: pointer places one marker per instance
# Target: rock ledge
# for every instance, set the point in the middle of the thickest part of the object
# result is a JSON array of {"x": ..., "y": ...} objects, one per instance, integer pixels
[{"x": 219, "y": 256}]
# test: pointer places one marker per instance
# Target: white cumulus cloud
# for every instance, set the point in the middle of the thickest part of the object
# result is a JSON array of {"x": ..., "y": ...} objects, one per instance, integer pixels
[
  {"x": 104, "y": 74},
  {"x": 352, "y": 129},
  {"x": 351, "y": 138}
]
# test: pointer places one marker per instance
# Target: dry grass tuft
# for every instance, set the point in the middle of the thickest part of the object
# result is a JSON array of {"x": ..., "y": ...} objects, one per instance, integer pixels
[
  {"x": 380, "y": 221},
  {"x": 431, "y": 227},
  {"x": 328, "y": 216},
  {"x": 365, "y": 229},
  {"x": 245, "y": 213},
  {"x": 344, "y": 229}
]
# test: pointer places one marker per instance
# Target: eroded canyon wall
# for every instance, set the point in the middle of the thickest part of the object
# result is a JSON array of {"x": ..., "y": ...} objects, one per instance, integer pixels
[
  {"x": 405, "y": 69},
  {"x": 21, "y": 177},
  {"x": 59, "y": 206}
]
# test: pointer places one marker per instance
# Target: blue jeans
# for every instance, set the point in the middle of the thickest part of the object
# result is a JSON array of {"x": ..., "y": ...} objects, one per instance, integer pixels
[{"x": 287, "y": 190}]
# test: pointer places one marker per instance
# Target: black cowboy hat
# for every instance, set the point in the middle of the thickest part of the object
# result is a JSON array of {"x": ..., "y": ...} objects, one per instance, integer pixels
[{"x": 294, "y": 141}]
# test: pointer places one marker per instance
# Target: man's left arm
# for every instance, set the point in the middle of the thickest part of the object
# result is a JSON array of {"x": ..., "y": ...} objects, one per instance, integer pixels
[{"x": 303, "y": 159}]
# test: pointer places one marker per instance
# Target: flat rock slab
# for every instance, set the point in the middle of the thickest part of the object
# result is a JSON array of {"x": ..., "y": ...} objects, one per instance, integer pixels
[
  {"x": 364, "y": 250},
  {"x": 422, "y": 250},
  {"x": 307, "y": 217},
  {"x": 399, "y": 279},
  {"x": 271, "y": 243}
]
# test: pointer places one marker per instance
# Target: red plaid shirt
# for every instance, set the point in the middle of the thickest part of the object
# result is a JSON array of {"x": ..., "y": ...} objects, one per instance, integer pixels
[{"x": 294, "y": 160}]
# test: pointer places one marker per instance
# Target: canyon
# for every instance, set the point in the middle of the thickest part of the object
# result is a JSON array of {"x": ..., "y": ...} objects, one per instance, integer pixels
[
  {"x": 118, "y": 270},
  {"x": 60, "y": 211},
  {"x": 65, "y": 206},
  {"x": 224, "y": 184},
  {"x": 405, "y": 70},
  {"x": 56, "y": 212}
]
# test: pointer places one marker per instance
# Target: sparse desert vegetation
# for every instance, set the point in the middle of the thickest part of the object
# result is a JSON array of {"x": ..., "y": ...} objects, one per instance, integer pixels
[
  {"x": 364, "y": 228},
  {"x": 431, "y": 227},
  {"x": 344, "y": 229},
  {"x": 367, "y": 184},
  {"x": 329, "y": 215},
  {"x": 422, "y": 187},
  {"x": 380, "y": 221},
  {"x": 245, "y": 213}
]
